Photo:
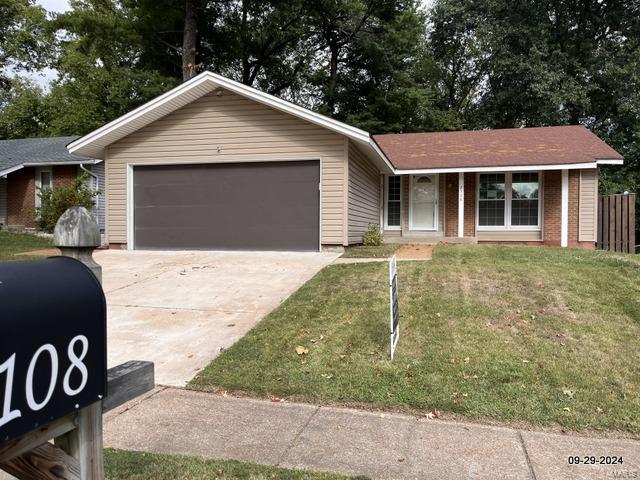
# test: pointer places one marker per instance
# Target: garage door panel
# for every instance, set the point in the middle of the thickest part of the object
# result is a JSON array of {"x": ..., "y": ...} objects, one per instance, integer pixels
[{"x": 258, "y": 206}]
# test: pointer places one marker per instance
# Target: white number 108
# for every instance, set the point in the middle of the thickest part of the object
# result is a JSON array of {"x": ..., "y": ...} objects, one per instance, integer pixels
[{"x": 8, "y": 367}]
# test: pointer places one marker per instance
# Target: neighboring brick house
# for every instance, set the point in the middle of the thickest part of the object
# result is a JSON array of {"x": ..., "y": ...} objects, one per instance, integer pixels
[{"x": 31, "y": 163}]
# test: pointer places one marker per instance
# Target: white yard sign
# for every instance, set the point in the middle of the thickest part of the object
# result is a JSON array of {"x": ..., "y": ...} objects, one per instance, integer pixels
[{"x": 394, "y": 320}]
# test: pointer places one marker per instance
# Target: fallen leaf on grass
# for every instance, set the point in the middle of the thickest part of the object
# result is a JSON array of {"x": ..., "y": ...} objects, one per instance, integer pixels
[
  {"x": 300, "y": 350},
  {"x": 566, "y": 409},
  {"x": 567, "y": 392},
  {"x": 599, "y": 410},
  {"x": 327, "y": 376}
]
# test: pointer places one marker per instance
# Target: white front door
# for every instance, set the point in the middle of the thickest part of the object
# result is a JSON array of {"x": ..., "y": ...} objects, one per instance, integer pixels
[{"x": 423, "y": 205}]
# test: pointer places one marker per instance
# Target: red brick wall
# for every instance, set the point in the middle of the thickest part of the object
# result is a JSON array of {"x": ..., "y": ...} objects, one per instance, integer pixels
[
  {"x": 21, "y": 192},
  {"x": 552, "y": 198},
  {"x": 451, "y": 199},
  {"x": 64, "y": 175},
  {"x": 21, "y": 195},
  {"x": 469, "y": 205}
]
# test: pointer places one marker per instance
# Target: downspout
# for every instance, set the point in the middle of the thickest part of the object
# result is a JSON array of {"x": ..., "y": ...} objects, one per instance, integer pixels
[{"x": 97, "y": 184}]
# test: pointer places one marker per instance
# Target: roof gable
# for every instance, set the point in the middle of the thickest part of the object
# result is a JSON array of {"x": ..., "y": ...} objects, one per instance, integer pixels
[{"x": 94, "y": 143}]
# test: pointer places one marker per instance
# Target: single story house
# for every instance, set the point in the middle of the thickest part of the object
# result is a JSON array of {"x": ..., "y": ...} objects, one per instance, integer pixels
[
  {"x": 214, "y": 164},
  {"x": 29, "y": 164}
]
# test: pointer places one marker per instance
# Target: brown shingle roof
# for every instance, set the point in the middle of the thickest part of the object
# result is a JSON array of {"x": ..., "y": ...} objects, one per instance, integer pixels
[{"x": 495, "y": 148}]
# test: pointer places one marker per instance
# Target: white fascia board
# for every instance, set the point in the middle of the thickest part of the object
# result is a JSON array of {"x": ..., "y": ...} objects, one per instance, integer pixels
[
  {"x": 288, "y": 107},
  {"x": 218, "y": 81},
  {"x": 508, "y": 168},
  {"x": 53, "y": 164},
  {"x": 374, "y": 146},
  {"x": 4, "y": 173},
  {"x": 605, "y": 161},
  {"x": 136, "y": 113}
]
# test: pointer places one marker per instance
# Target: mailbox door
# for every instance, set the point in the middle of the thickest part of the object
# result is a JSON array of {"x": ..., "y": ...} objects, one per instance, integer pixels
[{"x": 52, "y": 342}]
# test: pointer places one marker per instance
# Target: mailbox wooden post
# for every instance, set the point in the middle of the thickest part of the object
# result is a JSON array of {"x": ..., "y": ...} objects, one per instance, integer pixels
[
  {"x": 54, "y": 384},
  {"x": 77, "y": 235}
]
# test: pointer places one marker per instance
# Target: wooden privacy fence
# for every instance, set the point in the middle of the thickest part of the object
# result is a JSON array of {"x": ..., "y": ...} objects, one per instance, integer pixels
[{"x": 617, "y": 222}]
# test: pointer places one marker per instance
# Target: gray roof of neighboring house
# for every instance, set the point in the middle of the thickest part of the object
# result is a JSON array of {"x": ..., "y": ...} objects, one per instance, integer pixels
[{"x": 15, "y": 154}]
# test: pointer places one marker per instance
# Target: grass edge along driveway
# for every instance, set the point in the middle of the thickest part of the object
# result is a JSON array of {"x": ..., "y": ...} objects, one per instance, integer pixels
[
  {"x": 123, "y": 464},
  {"x": 500, "y": 333}
]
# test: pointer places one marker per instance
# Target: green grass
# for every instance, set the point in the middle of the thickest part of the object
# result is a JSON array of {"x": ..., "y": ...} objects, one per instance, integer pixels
[
  {"x": 541, "y": 335},
  {"x": 382, "y": 251},
  {"x": 12, "y": 243},
  {"x": 122, "y": 464}
]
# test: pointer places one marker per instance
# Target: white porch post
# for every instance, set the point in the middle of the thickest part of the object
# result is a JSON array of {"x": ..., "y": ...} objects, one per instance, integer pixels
[
  {"x": 564, "y": 210},
  {"x": 460, "y": 204}
]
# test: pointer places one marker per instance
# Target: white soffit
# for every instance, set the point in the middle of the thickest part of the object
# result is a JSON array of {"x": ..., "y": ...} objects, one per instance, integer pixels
[{"x": 93, "y": 144}]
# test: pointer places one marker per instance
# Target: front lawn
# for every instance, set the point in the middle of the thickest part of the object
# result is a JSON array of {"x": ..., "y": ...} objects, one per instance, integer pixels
[
  {"x": 360, "y": 251},
  {"x": 12, "y": 243},
  {"x": 126, "y": 465},
  {"x": 541, "y": 335}
]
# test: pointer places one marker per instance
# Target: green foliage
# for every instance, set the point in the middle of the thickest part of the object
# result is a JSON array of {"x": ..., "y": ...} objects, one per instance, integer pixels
[
  {"x": 22, "y": 110},
  {"x": 372, "y": 237},
  {"x": 55, "y": 201},
  {"x": 129, "y": 465},
  {"x": 25, "y": 40}
]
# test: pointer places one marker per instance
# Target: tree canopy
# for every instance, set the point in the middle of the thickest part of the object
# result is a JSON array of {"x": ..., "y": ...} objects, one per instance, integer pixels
[{"x": 382, "y": 65}]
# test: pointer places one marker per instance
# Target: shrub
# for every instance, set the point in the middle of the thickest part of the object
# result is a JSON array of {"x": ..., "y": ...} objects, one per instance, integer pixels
[
  {"x": 54, "y": 202},
  {"x": 373, "y": 237}
]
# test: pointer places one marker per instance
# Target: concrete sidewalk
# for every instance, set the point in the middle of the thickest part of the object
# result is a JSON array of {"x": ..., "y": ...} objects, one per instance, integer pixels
[{"x": 378, "y": 445}]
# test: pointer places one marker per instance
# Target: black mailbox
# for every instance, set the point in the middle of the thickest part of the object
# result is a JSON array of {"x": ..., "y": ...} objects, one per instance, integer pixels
[{"x": 53, "y": 356}]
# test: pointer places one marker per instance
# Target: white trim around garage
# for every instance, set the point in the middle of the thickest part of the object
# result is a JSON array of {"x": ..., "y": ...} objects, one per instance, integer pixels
[{"x": 130, "y": 195}]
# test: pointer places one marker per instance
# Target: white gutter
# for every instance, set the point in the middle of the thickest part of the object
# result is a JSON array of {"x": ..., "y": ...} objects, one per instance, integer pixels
[
  {"x": 497, "y": 168},
  {"x": 50, "y": 164}
]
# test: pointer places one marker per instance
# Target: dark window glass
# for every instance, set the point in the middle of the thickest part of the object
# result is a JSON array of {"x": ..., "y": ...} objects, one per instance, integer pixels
[
  {"x": 524, "y": 199},
  {"x": 393, "y": 201},
  {"x": 491, "y": 205}
]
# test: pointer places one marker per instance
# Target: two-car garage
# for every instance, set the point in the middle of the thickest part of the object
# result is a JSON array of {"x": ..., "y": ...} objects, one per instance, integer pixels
[{"x": 249, "y": 205}]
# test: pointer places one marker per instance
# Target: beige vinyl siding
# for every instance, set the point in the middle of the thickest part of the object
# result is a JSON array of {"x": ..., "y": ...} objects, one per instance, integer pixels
[
  {"x": 3, "y": 201},
  {"x": 364, "y": 194},
  {"x": 509, "y": 236},
  {"x": 229, "y": 128},
  {"x": 588, "y": 205}
]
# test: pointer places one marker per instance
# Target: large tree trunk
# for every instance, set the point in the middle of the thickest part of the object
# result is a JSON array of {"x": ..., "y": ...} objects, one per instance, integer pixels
[
  {"x": 189, "y": 40},
  {"x": 333, "y": 77}
]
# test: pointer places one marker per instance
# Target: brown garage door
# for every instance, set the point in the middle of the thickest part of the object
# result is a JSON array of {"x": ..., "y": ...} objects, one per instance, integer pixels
[{"x": 237, "y": 206}]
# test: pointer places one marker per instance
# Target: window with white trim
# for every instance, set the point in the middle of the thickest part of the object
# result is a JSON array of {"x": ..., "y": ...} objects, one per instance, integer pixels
[
  {"x": 509, "y": 200},
  {"x": 44, "y": 180},
  {"x": 393, "y": 202}
]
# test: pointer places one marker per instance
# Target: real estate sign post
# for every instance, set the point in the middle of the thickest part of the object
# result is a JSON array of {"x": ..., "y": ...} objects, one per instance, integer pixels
[{"x": 394, "y": 321}]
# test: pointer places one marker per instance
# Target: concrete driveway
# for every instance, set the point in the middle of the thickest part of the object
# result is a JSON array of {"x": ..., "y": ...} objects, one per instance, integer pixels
[{"x": 181, "y": 309}]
